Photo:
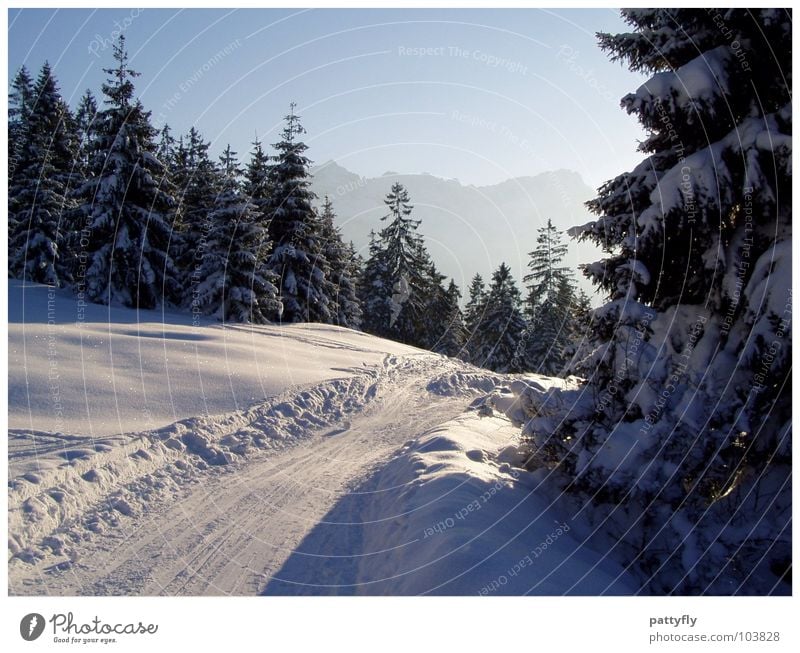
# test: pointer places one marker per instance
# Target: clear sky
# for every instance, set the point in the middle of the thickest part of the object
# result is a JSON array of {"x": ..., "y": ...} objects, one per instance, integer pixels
[{"x": 478, "y": 95}]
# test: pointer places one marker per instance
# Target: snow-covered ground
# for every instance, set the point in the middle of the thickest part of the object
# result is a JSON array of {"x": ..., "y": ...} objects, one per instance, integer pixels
[
  {"x": 150, "y": 455},
  {"x": 96, "y": 370}
]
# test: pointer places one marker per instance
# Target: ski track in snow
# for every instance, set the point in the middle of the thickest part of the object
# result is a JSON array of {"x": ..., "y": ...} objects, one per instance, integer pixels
[{"x": 215, "y": 505}]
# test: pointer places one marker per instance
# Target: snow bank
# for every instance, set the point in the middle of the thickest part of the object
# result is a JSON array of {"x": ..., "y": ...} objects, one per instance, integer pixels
[
  {"x": 453, "y": 514},
  {"x": 99, "y": 370},
  {"x": 62, "y": 489}
]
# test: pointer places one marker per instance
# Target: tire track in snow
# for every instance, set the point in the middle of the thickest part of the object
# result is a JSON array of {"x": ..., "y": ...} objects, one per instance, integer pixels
[{"x": 230, "y": 528}]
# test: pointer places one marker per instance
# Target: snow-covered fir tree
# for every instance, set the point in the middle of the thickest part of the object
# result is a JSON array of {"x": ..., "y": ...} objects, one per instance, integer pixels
[
  {"x": 340, "y": 257},
  {"x": 85, "y": 116},
  {"x": 474, "y": 310},
  {"x": 545, "y": 344},
  {"x": 495, "y": 342},
  {"x": 20, "y": 102},
  {"x": 40, "y": 188},
  {"x": 453, "y": 339},
  {"x": 256, "y": 181},
  {"x": 373, "y": 286},
  {"x": 166, "y": 148},
  {"x": 295, "y": 231},
  {"x": 581, "y": 329},
  {"x": 124, "y": 204},
  {"x": 435, "y": 303},
  {"x": 197, "y": 181},
  {"x": 234, "y": 283},
  {"x": 394, "y": 292},
  {"x": 681, "y": 437}
]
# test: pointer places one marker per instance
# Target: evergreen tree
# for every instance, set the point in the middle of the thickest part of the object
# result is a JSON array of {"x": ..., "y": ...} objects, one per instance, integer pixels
[
  {"x": 166, "y": 148},
  {"x": 256, "y": 184},
  {"x": 547, "y": 272},
  {"x": 294, "y": 229},
  {"x": 340, "y": 257},
  {"x": 234, "y": 283},
  {"x": 85, "y": 116},
  {"x": 39, "y": 192},
  {"x": 502, "y": 325},
  {"x": 452, "y": 341},
  {"x": 431, "y": 328},
  {"x": 682, "y": 428},
  {"x": 124, "y": 203},
  {"x": 198, "y": 181},
  {"x": 474, "y": 312},
  {"x": 581, "y": 328},
  {"x": 20, "y": 102},
  {"x": 398, "y": 275},
  {"x": 374, "y": 290},
  {"x": 545, "y": 345}
]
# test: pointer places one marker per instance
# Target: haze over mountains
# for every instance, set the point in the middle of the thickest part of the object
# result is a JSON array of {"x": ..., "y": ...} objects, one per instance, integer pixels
[{"x": 468, "y": 229}]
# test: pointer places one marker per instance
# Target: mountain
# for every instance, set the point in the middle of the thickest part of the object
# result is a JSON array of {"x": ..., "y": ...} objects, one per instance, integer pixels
[{"x": 470, "y": 228}]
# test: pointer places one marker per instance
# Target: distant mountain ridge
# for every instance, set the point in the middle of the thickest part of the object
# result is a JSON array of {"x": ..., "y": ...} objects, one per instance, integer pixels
[{"x": 467, "y": 228}]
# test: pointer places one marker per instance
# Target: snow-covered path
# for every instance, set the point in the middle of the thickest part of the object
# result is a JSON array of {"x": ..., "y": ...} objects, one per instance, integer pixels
[
  {"x": 149, "y": 455},
  {"x": 232, "y": 531}
]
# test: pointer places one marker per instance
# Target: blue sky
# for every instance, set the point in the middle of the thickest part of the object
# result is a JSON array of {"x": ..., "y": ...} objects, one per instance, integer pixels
[{"x": 478, "y": 95}]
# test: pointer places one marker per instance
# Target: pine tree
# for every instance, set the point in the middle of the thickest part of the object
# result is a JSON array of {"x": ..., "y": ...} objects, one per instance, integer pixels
[
  {"x": 20, "y": 102},
  {"x": 547, "y": 271},
  {"x": 39, "y": 192},
  {"x": 398, "y": 275},
  {"x": 581, "y": 328},
  {"x": 682, "y": 428},
  {"x": 166, "y": 148},
  {"x": 474, "y": 312},
  {"x": 85, "y": 117},
  {"x": 431, "y": 328},
  {"x": 234, "y": 283},
  {"x": 502, "y": 325},
  {"x": 374, "y": 290},
  {"x": 124, "y": 204},
  {"x": 452, "y": 341},
  {"x": 340, "y": 257},
  {"x": 294, "y": 229},
  {"x": 198, "y": 181},
  {"x": 545, "y": 345},
  {"x": 256, "y": 185}
]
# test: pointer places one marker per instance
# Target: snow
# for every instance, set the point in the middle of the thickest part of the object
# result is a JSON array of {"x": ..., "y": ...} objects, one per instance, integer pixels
[
  {"x": 149, "y": 455},
  {"x": 702, "y": 78},
  {"x": 453, "y": 514},
  {"x": 113, "y": 370}
]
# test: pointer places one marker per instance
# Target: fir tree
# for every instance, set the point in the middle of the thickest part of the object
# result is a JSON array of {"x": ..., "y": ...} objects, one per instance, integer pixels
[
  {"x": 234, "y": 283},
  {"x": 690, "y": 359},
  {"x": 431, "y": 328},
  {"x": 166, "y": 148},
  {"x": 452, "y": 341},
  {"x": 374, "y": 290},
  {"x": 502, "y": 325},
  {"x": 85, "y": 116},
  {"x": 398, "y": 275},
  {"x": 294, "y": 229},
  {"x": 340, "y": 257},
  {"x": 256, "y": 185},
  {"x": 197, "y": 181},
  {"x": 545, "y": 345},
  {"x": 474, "y": 311},
  {"x": 547, "y": 272},
  {"x": 124, "y": 203},
  {"x": 20, "y": 102},
  {"x": 39, "y": 192}
]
